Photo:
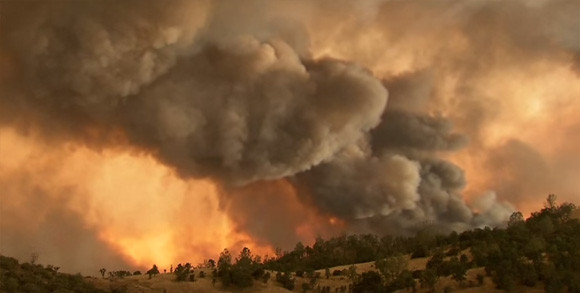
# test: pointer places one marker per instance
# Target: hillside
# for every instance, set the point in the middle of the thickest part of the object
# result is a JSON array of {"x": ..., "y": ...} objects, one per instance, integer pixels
[
  {"x": 538, "y": 254},
  {"x": 31, "y": 277},
  {"x": 166, "y": 282}
]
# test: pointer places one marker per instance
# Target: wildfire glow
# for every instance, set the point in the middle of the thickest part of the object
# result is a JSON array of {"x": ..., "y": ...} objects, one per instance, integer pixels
[{"x": 140, "y": 207}]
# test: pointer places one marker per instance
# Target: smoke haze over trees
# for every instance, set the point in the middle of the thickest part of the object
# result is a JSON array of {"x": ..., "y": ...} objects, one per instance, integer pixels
[{"x": 275, "y": 121}]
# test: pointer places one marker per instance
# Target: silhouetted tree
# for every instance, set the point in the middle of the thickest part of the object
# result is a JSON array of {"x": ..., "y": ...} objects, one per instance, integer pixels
[
  {"x": 266, "y": 277},
  {"x": 458, "y": 269},
  {"x": 551, "y": 202},
  {"x": 391, "y": 267},
  {"x": 183, "y": 272},
  {"x": 351, "y": 273},
  {"x": 516, "y": 218},
  {"x": 224, "y": 267},
  {"x": 285, "y": 280},
  {"x": 404, "y": 280},
  {"x": 242, "y": 270},
  {"x": 437, "y": 264},
  {"x": 429, "y": 279},
  {"x": 33, "y": 257},
  {"x": 153, "y": 271},
  {"x": 369, "y": 282}
]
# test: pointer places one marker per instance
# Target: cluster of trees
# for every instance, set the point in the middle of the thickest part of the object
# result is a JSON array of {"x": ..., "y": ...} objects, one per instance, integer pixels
[
  {"x": 243, "y": 272},
  {"x": 544, "y": 248},
  {"x": 391, "y": 275},
  {"x": 345, "y": 250},
  {"x": 153, "y": 271},
  {"x": 286, "y": 280},
  {"x": 118, "y": 274},
  {"x": 437, "y": 267},
  {"x": 32, "y": 277},
  {"x": 184, "y": 273}
]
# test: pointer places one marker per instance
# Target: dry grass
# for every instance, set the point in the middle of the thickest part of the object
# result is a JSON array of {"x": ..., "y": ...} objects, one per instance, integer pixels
[{"x": 166, "y": 282}]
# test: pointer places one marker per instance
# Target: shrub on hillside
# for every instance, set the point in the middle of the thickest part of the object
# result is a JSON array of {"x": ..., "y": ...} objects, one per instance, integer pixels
[{"x": 285, "y": 280}]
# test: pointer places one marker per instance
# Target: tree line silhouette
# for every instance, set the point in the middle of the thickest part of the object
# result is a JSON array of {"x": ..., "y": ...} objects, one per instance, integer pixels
[
  {"x": 541, "y": 250},
  {"x": 545, "y": 248}
]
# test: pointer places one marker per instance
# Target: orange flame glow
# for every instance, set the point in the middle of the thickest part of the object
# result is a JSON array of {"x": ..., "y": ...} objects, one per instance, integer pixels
[{"x": 138, "y": 206}]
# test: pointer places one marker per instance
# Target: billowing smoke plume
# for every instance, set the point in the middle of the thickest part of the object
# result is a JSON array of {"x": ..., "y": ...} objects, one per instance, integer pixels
[
  {"x": 240, "y": 109},
  {"x": 282, "y": 106}
]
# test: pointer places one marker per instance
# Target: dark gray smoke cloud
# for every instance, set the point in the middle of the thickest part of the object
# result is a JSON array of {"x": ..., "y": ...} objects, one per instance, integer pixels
[
  {"x": 396, "y": 192},
  {"x": 411, "y": 131},
  {"x": 254, "y": 112},
  {"x": 239, "y": 109},
  {"x": 357, "y": 186},
  {"x": 406, "y": 124}
]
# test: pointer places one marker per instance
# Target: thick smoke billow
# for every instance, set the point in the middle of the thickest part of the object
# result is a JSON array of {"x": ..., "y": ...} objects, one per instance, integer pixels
[
  {"x": 355, "y": 185},
  {"x": 399, "y": 192},
  {"x": 250, "y": 111},
  {"x": 240, "y": 109},
  {"x": 409, "y": 131},
  {"x": 282, "y": 106}
]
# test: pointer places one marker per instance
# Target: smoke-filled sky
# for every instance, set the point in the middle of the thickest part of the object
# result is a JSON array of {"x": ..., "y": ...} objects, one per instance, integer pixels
[{"x": 139, "y": 132}]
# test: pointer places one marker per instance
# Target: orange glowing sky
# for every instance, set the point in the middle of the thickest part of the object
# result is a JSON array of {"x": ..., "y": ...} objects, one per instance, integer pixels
[{"x": 139, "y": 207}]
